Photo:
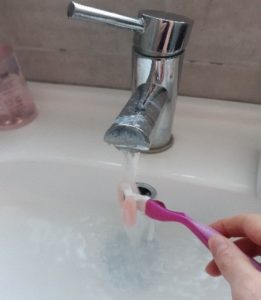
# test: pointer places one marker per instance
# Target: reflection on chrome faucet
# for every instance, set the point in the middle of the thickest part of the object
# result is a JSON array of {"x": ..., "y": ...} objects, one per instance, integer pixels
[{"x": 160, "y": 38}]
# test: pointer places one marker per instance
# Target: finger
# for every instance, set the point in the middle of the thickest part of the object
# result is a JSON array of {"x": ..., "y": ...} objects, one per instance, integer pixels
[
  {"x": 232, "y": 263},
  {"x": 247, "y": 246},
  {"x": 248, "y": 225},
  {"x": 212, "y": 269}
]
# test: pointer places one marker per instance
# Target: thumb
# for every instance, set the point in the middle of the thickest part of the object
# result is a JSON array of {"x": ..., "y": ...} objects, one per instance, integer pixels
[{"x": 233, "y": 264}]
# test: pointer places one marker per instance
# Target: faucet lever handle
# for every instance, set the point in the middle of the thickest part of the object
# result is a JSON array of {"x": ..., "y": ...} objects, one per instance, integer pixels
[
  {"x": 87, "y": 13},
  {"x": 157, "y": 33}
]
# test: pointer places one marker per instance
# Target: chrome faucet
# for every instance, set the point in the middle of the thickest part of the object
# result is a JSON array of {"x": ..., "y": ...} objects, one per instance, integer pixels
[{"x": 145, "y": 123}]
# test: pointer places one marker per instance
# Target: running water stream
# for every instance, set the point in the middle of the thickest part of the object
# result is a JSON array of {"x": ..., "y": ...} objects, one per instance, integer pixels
[
  {"x": 143, "y": 228},
  {"x": 131, "y": 163}
]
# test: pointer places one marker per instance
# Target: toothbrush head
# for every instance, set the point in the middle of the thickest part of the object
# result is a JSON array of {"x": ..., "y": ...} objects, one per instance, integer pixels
[{"x": 131, "y": 201}]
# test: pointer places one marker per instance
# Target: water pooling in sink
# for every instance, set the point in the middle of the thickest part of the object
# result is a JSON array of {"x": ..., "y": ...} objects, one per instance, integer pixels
[
  {"x": 95, "y": 259},
  {"x": 57, "y": 243}
]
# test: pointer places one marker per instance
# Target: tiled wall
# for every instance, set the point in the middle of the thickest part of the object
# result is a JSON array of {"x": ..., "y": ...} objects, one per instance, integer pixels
[{"x": 223, "y": 59}]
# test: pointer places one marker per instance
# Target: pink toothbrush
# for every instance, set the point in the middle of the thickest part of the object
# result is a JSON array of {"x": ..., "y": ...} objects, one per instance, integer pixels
[{"x": 157, "y": 210}]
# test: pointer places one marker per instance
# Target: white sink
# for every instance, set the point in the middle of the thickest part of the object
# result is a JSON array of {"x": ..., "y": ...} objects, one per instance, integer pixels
[{"x": 61, "y": 235}]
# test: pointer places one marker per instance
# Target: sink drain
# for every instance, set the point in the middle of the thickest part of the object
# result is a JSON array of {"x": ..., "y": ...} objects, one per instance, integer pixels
[{"x": 146, "y": 190}]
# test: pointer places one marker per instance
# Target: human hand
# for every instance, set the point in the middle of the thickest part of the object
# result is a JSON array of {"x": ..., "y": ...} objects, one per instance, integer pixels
[{"x": 244, "y": 279}]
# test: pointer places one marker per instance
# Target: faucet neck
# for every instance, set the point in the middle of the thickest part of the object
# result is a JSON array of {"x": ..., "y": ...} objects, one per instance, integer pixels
[{"x": 165, "y": 74}]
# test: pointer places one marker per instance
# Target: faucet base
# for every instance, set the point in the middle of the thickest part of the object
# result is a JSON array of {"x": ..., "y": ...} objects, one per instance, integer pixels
[{"x": 162, "y": 148}]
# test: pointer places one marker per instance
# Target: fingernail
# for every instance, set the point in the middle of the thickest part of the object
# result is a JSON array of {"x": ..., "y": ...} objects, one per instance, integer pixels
[{"x": 217, "y": 243}]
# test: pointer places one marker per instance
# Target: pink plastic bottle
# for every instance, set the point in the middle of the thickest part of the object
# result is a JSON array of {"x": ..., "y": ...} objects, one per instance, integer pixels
[{"x": 16, "y": 104}]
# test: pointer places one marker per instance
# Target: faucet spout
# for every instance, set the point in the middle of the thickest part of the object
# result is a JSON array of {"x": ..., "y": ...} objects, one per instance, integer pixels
[{"x": 134, "y": 126}]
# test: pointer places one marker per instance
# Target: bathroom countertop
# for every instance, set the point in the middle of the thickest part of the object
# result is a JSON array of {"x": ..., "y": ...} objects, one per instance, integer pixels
[{"x": 217, "y": 143}]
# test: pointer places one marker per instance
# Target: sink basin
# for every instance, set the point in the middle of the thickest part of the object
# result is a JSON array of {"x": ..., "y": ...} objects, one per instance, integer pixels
[{"x": 61, "y": 233}]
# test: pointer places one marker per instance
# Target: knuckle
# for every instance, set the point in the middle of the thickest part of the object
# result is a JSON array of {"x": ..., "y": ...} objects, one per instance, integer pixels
[
  {"x": 225, "y": 258},
  {"x": 252, "y": 225}
]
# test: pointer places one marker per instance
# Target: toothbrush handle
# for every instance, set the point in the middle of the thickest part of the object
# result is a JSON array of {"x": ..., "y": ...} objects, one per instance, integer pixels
[{"x": 204, "y": 232}]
